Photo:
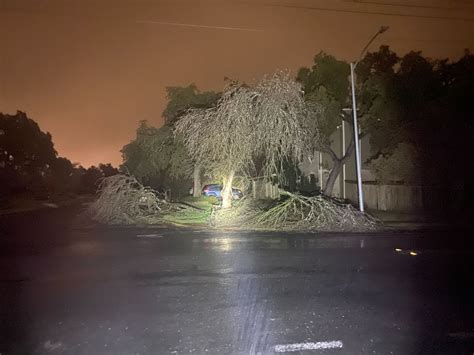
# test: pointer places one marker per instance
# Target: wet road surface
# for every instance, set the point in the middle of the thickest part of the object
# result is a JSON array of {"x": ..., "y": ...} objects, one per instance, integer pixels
[{"x": 70, "y": 290}]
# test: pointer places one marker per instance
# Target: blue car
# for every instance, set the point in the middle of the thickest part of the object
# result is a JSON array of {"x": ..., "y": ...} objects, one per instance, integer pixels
[{"x": 216, "y": 190}]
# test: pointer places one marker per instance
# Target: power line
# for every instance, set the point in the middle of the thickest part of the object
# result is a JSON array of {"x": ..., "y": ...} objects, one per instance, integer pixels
[
  {"x": 315, "y": 8},
  {"x": 408, "y": 39},
  {"x": 409, "y": 5}
]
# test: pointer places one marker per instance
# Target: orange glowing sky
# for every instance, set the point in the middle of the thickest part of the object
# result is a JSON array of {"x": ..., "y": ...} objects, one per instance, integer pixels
[{"x": 87, "y": 71}]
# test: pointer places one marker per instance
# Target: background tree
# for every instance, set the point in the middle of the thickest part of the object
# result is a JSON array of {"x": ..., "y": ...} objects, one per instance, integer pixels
[
  {"x": 181, "y": 99},
  {"x": 326, "y": 85},
  {"x": 430, "y": 112},
  {"x": 29, "y": 163},
  {"x": 157, "y": 158},
  {"x": 26, "y": 153},
  {"x": 91, "y": 178},
  {"x": 61, "y": 175},
  {"x": 458, "y": 83},
  {"x": 264, "y": 121},
  {"x": 108, "y": 170}
]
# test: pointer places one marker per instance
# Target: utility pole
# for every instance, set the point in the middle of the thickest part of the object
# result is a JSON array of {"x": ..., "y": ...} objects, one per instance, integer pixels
[
  {"x": 343, "y": 127},
  {"x": 355, "y": 123}
]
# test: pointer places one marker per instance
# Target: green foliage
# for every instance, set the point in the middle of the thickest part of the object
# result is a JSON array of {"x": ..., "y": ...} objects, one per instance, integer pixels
[
  {"x": 290, "y": 175},
  {"x": 181, "y": 99},
  {"x": 399, "y": 98},
  {"x": 411, "y": 101},
  {"x": 377, "y": 63},
  {"x": 403, "y": 165},
  {"x": 326, "y": 86},
  {"x": 202, "y": 201},
  {"x": 423, "y": 103},
  {"x": 327, "y": 72},
  {"x": 157, "y": 158},
  {"x": 187, "y": 216},
  {"x": 192, "y": 211}
]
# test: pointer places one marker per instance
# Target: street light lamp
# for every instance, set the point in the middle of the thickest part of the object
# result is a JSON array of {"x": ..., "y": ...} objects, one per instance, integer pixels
[{"x": 354, "y": 115}]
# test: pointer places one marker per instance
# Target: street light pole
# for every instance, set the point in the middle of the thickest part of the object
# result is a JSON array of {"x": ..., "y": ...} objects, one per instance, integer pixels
[
  {"x": 354, "y": 115},
  {"x": 356, "y": 142}
]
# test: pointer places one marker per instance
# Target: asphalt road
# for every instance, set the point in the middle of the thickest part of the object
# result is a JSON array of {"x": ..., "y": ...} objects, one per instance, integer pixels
[{"x": 67, "y": 290}]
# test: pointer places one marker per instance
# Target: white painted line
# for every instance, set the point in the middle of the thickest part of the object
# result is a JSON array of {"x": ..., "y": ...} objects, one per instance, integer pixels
[
  {"x": 51, "y": 205},
  {"x": 149, "y": 236},
  {"x": 309, "y": 346}
]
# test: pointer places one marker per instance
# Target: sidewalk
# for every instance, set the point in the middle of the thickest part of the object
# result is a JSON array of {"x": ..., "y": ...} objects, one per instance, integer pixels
[{"x": 408, "y": 220}]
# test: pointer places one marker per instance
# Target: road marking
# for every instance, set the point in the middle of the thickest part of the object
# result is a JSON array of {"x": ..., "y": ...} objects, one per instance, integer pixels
[
  {"x": 462, "y": 335},
  {"x": 50, "y": 205},
  {"x": 149, "y": 236},
  {"x": 406, "y": 252},
  {"x": 335, "y": 344}
]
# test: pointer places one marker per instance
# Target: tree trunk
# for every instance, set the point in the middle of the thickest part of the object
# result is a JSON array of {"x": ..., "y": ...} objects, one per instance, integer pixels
[
  {"x": 227, "y": 191},
  {"x": 335, "y": 171},
  {"x": 337, "y": 166},
  {"x": 197, "y": 180}
]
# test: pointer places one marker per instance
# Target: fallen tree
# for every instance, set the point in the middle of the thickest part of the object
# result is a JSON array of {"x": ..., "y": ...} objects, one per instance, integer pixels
[
  {"x": 266, "y": 121},
  {"x": 296, "y": 212},
  {"x": 124, "y": 200}
]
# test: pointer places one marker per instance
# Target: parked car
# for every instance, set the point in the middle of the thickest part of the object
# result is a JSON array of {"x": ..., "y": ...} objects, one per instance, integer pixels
[{"x": 216, "y": 191}]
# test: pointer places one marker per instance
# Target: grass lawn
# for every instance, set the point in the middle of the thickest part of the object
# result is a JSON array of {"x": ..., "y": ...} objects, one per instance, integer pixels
[{"x": 193, "y": 211}]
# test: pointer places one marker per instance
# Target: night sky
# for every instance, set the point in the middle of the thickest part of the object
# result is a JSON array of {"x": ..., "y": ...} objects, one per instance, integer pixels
[{"x": 87, "y": 71}]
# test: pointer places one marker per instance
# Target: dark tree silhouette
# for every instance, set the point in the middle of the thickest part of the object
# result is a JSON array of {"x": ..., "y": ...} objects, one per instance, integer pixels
[
  {"x": 26, "y": 153},
  {"x": 108, "y": 170}
]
